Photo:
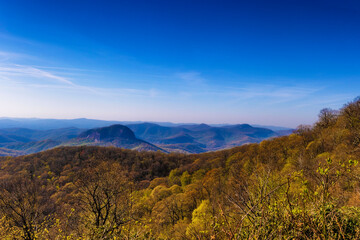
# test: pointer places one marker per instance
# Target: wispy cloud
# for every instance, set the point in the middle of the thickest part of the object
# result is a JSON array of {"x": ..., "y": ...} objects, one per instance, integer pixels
[
  {"x": 8, "y": 56},
  {"x": 17, "y": 39},
  {"x": 113, "y": 92},
  {"x": 192, "y": 78},
  {"x": 65, "y": 69},
  {"x": 15, "y": 70},
  {"x": 193, "y": 84},
  {"x": 274, "y": 92},
  {"x": 334, "y": 101},
  {"x": 269, "y": 94},
  {"x": 45, "y": 77}
]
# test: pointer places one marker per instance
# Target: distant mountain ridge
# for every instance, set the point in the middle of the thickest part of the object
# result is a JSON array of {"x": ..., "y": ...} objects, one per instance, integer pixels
[
  {"x": 115, "y": 135},
  {"x": 185, "y": 138},
  {"x": 111, "y": 132},
  {"x": 49, "y": 124},
  {"x": 201, "y": 137},
  {"x": 85, "y": 123}
]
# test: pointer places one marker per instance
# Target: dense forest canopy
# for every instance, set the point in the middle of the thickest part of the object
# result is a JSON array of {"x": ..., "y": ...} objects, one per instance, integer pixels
[{"x": 301, "y": 186}]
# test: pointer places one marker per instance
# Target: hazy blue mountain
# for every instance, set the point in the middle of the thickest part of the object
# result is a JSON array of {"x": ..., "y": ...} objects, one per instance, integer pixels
[
  {"x": 187, "y": 138},
  {"x": 47, "y": 124},
  {"x": 33, "y": 147},
  {"x": 20, "y": 141},
  {"x": 114, "y": 135},
  {"x": 196, "y": 138},
  {"x": 153, "y": 132},
  {"x": 61, "y": 134},
  {"x": 82, "y": 123},
  {"x": 5, "y": 139},
  {"x": 274, "y": 128},
  {"x": 196, "y": 127},
  {"x": 10, "y": 152}
]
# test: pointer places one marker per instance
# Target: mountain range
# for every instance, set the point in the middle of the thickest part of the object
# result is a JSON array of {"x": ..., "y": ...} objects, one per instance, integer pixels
[
  {"x": 197, "y": 138},
  {"x": 166, "y": 137},
  {"x": 85, "y": 123}
]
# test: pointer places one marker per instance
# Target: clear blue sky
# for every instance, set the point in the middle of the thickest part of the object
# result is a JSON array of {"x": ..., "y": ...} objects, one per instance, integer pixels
[{"x": 260, "y": 62}]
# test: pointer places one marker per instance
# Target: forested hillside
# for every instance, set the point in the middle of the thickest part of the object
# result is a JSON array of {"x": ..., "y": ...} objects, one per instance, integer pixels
[{"x": 302, "y": 186}]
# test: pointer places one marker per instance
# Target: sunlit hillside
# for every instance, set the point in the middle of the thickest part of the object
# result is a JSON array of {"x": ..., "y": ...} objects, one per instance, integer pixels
[{"x": 301, "y": 186}]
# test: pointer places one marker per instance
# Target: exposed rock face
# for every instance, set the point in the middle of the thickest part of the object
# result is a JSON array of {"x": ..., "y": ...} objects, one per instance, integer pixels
[{"x": 108, "y": 133}]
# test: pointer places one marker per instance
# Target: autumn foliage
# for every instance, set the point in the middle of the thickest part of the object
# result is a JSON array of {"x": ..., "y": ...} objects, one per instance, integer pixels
[{"x": 301, "y": 186}]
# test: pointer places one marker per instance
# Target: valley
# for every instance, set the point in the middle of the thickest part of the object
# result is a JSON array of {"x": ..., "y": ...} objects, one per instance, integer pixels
[{"x": 184, "y": 138}]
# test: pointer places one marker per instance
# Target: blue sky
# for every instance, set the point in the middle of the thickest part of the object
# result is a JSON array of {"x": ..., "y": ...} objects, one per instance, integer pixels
[{"x": 260, "y": 62}]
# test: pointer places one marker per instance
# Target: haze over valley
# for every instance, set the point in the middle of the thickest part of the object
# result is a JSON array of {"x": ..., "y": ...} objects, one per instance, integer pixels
[{"x": 43, "y": 134}]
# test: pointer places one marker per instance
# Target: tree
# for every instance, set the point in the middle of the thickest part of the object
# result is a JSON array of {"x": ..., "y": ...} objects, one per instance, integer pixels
[
  {"x": 105, "y": 197},
  {"x": 327, "y": 118},
  {"x": 25, "y": 203},
  {"x": 202, "y": 224}
]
